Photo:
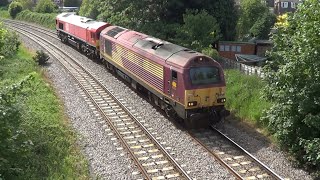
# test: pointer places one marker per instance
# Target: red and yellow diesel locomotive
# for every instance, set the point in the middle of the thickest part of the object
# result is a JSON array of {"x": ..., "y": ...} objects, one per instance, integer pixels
[{"x": 180, "y": 81}]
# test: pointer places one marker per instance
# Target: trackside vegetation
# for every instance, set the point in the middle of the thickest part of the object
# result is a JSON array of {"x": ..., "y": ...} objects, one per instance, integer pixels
[
  {"x": 293, "y": 84},
  {"x": 46, "y": 20},
  {"x": 36, "y": 140},
  {"x": 244, "y": 96}
]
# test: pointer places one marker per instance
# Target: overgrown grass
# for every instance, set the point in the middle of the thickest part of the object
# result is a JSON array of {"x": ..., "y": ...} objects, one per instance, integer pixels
[
  {"x": 46, "y": 20},
  {"x": 244, "y": 96},
  {"x": 54, "y": 153}
]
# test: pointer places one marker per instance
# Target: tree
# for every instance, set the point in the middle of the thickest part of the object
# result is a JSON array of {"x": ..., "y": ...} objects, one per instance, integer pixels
[
  {"x": 293, "y": 84},
  {"x": 71, "y": 3},
  {"x": 45, "y": 6},
  {"x": 250, "y": 12},
  {"x": 14, "y": 8},
  {"x": 199, "y": 30},
  {"x": 262, "y": 27},
  {"x": 89, "y": 9},
  {"x": 138, "y": 15},
  {"x": 26, "y": 4}
]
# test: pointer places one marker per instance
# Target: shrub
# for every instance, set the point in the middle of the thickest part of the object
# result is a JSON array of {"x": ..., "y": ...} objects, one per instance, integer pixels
[
  {"x": 14, "y": 143},
  {"x": 9, "y": 42},
  {"x": 15, "y": 8},
  {"x": 41, "y": 57}
]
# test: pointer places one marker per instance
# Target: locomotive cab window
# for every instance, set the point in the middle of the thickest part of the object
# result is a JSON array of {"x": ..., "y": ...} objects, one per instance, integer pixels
[
  {"x": 60, "y": 26},
  {"x": 204, "y": 75}
]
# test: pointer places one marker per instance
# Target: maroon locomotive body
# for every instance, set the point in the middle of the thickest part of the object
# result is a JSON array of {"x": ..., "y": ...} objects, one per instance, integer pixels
[{"x": 181, "y": 81}]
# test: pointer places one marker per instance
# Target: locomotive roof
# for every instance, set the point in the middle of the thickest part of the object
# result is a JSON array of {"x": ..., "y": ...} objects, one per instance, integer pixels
[
  {"x": 169, "y": 52},
  {"x": 80, "y": 21}
]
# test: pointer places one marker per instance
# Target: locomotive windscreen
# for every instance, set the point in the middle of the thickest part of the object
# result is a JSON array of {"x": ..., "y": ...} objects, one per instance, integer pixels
[{"x": 204, "y": 75}]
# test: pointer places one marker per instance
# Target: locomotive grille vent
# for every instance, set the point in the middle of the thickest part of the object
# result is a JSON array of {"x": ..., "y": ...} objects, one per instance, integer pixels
[{"x": 113, "y": 32}]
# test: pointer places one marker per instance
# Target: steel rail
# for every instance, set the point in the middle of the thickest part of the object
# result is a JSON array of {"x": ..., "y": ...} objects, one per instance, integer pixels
[{"x": 272, "y": 173}]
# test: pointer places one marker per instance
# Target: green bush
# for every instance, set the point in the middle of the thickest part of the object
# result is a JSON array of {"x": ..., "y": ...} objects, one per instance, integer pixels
[
  {"x": 41, "y": 58},
  {"x": 45, "y": 6},
  {"x": 9, "y": 42},
  {"x": 293, "y": 84},
  {"x": 14, "y": 8},
  {"x": 14, "y": 143}
]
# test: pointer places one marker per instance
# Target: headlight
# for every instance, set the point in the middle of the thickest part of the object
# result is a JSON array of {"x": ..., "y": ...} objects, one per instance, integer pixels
[
  {"x": 221, "y": 100},
  {"x": 193, "y": 103}
]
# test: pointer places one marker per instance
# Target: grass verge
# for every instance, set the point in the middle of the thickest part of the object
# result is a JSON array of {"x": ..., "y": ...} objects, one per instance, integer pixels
[
  {"x": 244, "y": 96},
  {"x": 54, "y": 153}
]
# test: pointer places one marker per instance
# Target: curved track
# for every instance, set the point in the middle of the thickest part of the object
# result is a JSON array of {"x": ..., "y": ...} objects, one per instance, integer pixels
[{"x": 149, "y": 155}]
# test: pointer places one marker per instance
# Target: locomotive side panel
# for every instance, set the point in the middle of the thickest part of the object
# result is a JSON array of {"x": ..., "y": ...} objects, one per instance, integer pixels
[{"x": 140, "y": 67}]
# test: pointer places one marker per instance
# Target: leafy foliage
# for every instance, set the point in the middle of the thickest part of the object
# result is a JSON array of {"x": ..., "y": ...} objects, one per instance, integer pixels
[
  {"x": 14, "y": 8},
  {"x": 14, "y": 143},
  {"x": 45, "y": 6},
  {"x": 293, "y": 84},
  {"x": 50, "y": 150},
  {"x": 41, "y": 57},
  {"x": 193, "y": 34},
  {"x": 253, "y": 15},
  {"x": 262, "y": 27},
  {"x": 47, "y": 19},
  {"x": 9, "y": 42},
  {"x": 148, "y": 16},
  {"x": 26, "y": 4}
]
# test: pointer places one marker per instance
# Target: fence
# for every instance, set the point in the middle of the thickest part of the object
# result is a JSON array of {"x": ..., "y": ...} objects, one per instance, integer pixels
[{"x": 249, "y": 70}]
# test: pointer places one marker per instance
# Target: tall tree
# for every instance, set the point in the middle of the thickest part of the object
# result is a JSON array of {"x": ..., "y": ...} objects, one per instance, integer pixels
[
  {"x": 293, "y": 78},
  {"x": 199, "y": 30},
  {"x": 250, "y": 12}
]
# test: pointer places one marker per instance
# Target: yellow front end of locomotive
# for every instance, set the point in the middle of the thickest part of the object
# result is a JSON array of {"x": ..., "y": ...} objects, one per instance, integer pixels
[{"x": 207, "y": 97}]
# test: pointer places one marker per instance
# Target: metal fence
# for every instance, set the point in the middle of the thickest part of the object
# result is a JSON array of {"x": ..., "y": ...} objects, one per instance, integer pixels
[{"x": 247, "y": 69}]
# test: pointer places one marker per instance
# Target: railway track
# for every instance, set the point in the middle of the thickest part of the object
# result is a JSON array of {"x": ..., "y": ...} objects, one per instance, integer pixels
[
  {"x": 149, "y": 155},
  {"x": 236, "y": 159}
]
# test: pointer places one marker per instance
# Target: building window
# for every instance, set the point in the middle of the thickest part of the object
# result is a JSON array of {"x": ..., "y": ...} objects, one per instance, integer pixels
[
  {"x": 221, "y": 48},
  {"x": 227, "y": 48},
  {"x": 293, "y": 5},
  {"x": 284, "y": 4},
  {"x": 238, "y": 48},
  {"x": 233, "y": 48}
]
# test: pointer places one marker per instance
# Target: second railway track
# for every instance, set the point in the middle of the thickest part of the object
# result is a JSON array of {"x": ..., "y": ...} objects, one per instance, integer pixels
[{"x": 149, "y": 155}]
